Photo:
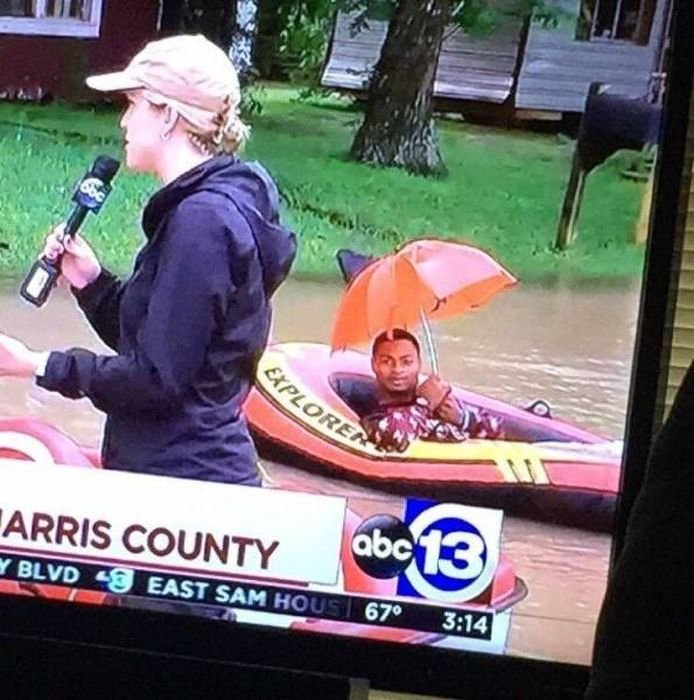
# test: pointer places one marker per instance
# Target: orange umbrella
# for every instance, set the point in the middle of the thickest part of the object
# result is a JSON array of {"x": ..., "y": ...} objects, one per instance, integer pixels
[{"x": 424, "y": 280}]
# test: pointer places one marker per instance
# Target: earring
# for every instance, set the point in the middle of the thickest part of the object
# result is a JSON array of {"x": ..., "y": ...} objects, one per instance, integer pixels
[{"x": 165, "y": 136}]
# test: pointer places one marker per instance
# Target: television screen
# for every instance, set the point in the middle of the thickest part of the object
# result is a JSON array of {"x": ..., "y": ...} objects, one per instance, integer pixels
[{"x": 438, "y": 409}]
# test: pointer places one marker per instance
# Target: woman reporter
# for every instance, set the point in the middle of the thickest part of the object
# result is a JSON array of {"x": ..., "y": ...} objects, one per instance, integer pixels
[{"x": 190, "y": 323}]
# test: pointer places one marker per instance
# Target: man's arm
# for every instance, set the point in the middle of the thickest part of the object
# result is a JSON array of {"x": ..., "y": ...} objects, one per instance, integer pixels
[{"x": 473, "y": 421}]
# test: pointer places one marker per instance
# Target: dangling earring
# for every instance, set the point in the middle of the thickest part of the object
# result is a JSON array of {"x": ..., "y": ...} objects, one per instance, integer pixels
[{"x": 165, "y": 136}]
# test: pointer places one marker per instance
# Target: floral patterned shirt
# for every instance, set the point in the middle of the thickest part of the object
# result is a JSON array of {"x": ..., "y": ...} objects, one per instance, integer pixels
[{"x": 393, "y": 427}]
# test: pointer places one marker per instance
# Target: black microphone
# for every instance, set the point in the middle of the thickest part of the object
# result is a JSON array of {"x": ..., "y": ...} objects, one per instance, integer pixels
[{"x": 90, "y": 195}]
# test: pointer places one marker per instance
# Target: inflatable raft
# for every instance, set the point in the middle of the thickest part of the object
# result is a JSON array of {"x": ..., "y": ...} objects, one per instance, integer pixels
[
  {"x": 305, "y": 411},
  {"x": 30, "y": 440}
]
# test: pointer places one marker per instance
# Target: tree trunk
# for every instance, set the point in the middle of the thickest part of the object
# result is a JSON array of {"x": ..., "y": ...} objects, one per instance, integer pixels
[
  {"x": 245, "y": 30},
  {"x": 267, "y": 39},
  {"x": 398, "y": 128}
]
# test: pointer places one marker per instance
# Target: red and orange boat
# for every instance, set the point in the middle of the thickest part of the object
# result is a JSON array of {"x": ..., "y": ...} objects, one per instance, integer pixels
[{"x": 305, "y": 411}]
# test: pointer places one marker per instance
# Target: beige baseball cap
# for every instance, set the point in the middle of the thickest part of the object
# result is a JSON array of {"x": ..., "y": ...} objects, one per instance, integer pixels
[{"x": 188, "y": 69}]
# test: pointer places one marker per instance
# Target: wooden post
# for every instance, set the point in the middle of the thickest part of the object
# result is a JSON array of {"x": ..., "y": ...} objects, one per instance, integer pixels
[
  {"x": 642, "y": 226},
  {"x": 566, "y": 230}
]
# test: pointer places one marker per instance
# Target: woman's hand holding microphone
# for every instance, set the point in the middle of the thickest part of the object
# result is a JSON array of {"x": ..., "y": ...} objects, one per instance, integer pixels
[
  {"x": 80, "y": 267},
  {"x": 78, "y": 262}
]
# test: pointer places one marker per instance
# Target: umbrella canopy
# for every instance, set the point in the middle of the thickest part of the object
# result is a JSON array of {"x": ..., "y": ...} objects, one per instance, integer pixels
[{"x": 424, "y": 280}]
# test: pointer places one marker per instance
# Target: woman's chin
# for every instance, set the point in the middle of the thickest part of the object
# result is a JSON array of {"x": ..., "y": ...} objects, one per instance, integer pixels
[
  {"x": 132, "y": 162},
  {"x": 132, "y": 165}
]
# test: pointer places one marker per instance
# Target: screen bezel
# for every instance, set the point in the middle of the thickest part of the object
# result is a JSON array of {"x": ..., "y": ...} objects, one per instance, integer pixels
[
  {"x": 656, "y": 313},
  {"x": 422, "y": 669}
]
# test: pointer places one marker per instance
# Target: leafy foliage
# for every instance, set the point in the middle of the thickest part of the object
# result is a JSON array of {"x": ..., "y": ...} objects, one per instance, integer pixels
[
  {"x": 252, "y": 100},
  {"x": 476, "y": 17},
  {"x": 303, "y": 44}
]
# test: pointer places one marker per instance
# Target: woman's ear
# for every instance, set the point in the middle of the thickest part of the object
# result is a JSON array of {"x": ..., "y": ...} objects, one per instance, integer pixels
[{"x": 170, "y": 121}]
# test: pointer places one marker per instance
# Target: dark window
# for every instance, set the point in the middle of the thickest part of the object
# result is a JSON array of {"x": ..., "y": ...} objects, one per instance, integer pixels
[
  {"x": 74, "y": 9},
  {"x": 616, "y": 20},
  {"x": 16, "y": 8},
  {"x": 49, "y": 9}
]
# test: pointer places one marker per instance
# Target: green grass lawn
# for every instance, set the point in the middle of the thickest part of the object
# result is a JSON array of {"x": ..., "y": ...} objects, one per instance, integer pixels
[{"x": 503, "y": 193}]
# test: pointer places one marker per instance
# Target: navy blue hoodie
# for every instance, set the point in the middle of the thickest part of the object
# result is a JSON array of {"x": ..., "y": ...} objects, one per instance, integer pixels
[{"x": 189, "y": 326}]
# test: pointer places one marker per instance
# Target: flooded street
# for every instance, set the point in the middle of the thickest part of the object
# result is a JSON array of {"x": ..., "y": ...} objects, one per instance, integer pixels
[{"x": 570, "y": 346}]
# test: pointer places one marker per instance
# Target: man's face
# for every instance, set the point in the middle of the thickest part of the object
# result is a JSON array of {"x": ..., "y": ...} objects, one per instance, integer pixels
[{"x": 396, "y": 366}]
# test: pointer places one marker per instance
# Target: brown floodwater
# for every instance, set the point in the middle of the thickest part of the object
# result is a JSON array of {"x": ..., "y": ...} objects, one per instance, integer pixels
[{"x": 571, "y": 345}]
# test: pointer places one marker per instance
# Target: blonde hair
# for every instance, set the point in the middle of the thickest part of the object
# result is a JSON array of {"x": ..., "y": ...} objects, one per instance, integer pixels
[
  {"x": 229, "y": 136},
  {"x": 211, "y": 133}
]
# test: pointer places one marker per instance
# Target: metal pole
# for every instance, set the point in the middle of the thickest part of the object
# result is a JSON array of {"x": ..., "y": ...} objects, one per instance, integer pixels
[{"x": 429, "y": 343}]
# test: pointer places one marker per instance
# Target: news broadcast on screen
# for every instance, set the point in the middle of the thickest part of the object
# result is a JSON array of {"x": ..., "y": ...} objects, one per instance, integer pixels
[{"x": 269, "y": 356}]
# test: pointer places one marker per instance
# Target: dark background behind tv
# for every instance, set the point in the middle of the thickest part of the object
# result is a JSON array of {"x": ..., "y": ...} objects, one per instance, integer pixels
[{"x": 61, "y": 650}]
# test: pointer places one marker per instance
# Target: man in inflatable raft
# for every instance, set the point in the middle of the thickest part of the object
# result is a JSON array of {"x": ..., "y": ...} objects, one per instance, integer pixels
[{"x": 402, "y": 411}]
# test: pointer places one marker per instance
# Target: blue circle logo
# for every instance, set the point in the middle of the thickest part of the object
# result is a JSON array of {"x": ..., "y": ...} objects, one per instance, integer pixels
[{"x": 451, "y": 560}]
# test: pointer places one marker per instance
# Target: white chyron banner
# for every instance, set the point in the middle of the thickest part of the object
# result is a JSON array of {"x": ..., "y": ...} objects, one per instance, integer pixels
[{"x": 176, "y": 525}]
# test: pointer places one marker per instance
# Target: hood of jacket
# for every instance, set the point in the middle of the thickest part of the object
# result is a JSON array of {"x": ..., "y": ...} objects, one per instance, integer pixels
[{"x": 255, "y": 194}]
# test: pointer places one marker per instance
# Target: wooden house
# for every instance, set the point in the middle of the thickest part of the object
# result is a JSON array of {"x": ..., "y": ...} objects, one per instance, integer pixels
[
  {"x": 48, "y": 47},
  {"x": 470, "y": 69},
  {"x": 616, "y": 42},
  {"x": 537, "y": 71}
]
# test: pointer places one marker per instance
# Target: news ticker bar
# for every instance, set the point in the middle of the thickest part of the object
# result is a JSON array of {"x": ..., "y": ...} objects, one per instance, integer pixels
[{"x": 282, "y": 600}]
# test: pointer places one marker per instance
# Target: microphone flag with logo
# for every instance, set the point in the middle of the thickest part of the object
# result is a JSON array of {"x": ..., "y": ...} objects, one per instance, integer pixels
[{"x": 89, "y": 196}]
